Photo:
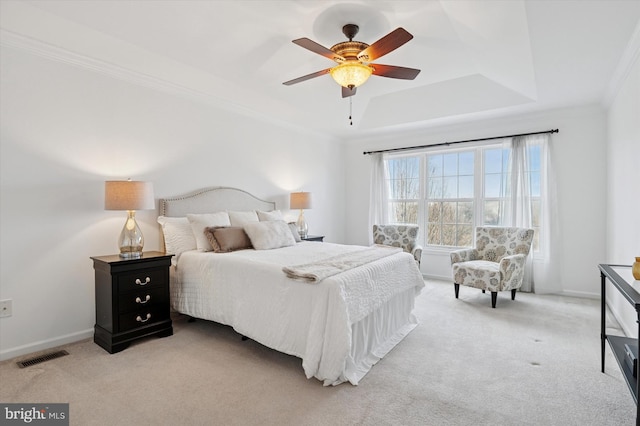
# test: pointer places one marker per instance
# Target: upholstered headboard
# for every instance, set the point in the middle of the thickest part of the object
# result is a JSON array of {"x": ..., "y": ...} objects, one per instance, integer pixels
[{"x": 213, "y": 199}]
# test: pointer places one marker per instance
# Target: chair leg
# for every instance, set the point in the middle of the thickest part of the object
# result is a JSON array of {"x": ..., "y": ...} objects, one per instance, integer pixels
[
  {"x": 456, "y": 288},
  {"x": 513, "y": 294},
  {"x": 494, "y": 298}
]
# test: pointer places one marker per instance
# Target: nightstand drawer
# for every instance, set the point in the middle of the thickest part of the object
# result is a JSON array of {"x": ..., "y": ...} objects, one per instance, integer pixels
[
  {"x": 143, "y": 298},
  {"x": 143, "y": 279},
  {"x": 143, "y": 317}
]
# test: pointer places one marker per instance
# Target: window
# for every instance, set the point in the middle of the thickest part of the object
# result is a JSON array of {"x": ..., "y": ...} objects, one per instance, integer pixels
[
  {"x": 449, "y": 192},
  {"x": 450, "y": 182},
  {"x": 496, "y": 185},
  {"x": 404, "y": 189}
]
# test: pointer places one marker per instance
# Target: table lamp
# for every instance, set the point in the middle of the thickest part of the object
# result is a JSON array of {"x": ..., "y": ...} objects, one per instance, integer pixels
[
  {"x": 130, "y": 196},
  {"x": 301, "y": 200}
]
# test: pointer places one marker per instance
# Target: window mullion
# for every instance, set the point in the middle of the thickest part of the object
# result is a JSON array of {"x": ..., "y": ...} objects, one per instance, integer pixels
[
  {"x": 422, "y": 204},
  {"x": 478, "y": 188}
]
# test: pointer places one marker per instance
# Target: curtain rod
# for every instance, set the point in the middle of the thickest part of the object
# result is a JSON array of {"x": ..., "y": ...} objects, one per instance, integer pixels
[{"x": 406, "y": 148}]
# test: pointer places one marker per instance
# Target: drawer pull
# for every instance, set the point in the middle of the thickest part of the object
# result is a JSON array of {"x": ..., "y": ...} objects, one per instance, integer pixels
[
  {"x": 142, "y": 302},
  {"x": 139, "y": 318},
  {"x": 146, "y": 281}
]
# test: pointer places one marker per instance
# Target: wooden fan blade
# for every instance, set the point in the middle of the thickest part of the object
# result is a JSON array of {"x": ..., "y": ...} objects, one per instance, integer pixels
[
  {"x": 392, "y": 71},
  {"x": 318, "y": 48},
  {"x": 386, "y": 44},
  {"x": 306, "y": 77},
  {"x": 346, "y": 92}
]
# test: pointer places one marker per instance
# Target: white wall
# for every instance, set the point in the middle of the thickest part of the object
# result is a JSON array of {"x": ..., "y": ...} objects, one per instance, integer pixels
[
  {"x": 623, "y": 188},
  {"x": 578, "y": 152},
  {"x": 66, "y": 129}
]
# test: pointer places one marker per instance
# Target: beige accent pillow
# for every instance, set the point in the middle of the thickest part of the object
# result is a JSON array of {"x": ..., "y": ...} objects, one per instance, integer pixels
[
  {"x": 208, "y": 233},
  {"x": 228, "y": 238},
  {"x": 269, "y": 235},
  {"x": 242, "y": 218},
  {"x": 199, "y": 222}
]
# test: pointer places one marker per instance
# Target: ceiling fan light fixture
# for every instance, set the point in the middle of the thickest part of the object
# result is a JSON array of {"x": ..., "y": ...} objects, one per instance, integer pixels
[{"x": 351, "y": 74}]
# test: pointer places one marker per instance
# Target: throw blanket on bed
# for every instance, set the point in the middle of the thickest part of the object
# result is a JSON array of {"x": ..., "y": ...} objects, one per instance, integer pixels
[{"x": 317, "y": 271}]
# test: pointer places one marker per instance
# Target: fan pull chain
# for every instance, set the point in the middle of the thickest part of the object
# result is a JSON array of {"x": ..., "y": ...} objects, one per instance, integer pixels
[{"x": 350, "y": 110}]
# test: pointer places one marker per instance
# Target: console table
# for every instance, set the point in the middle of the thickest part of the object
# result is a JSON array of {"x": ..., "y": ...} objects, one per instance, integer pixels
[{"x": 622, "y": 279}]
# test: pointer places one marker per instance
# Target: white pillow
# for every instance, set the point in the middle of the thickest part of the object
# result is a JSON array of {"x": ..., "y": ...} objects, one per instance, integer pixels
[
  {"x": 242, "y": 218},
  {"x": 272, "y": 215},
  {"x": 269, "y": 234},
  {"x": 178, "y": 236},
  {"x": 200, "y": 221}
]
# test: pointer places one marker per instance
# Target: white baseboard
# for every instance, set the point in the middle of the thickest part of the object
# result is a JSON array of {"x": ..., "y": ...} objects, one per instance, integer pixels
[
  {"x": 437, "y": 277},
  {"x": 45, "y": 344},
  {"x": 581, "y": 294},
  {"x": 570, "y": 293},
  {"x": 628, "y": 331}
]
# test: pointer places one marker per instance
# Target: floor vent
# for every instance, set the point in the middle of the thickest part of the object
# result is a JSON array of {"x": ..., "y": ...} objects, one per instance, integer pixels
[{"x": 41, "y": 358}]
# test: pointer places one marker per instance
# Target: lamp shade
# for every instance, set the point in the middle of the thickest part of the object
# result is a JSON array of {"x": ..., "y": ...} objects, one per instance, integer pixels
[
  {"x": 128, "y": 195},
  {"x": 300, "y": 200}
]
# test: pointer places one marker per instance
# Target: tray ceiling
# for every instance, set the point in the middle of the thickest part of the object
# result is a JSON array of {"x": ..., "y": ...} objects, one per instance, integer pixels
[{"x": 489, "y": 57}]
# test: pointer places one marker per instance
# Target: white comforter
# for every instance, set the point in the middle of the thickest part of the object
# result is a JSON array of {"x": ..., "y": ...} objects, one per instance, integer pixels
[{"x": 249, "y": 291}]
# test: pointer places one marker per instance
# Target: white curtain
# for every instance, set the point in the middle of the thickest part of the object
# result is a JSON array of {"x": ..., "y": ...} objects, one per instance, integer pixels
[
  {"x": 517, "y": 212},
  {"x": 540, "y": 265},
  {"x": 519, "y": 209},
  {"x": 546, "y": 263},
  {"x": 379, "y": 194}
]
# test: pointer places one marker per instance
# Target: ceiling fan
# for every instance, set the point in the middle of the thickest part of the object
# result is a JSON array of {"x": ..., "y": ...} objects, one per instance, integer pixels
[{"x": 355, "y": 58}]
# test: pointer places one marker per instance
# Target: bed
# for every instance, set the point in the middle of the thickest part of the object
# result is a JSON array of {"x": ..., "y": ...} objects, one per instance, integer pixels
[{"x": 357, "y": 309}]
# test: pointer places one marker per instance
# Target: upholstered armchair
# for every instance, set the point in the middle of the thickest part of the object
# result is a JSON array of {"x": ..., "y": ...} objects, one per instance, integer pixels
[
  {"x": 496, "y": 263},
  {"x": 403, "y": 236}
]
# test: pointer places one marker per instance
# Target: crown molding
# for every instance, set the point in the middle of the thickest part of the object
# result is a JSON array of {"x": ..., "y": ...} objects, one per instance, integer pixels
[
  {"x": 52, "y": 52},
  {"x": 625, "y": 65},
  {"x": 59, "y": 54}
]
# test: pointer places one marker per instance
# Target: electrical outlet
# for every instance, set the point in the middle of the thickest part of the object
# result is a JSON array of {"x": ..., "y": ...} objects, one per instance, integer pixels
[{"x": 5, "y": 308}]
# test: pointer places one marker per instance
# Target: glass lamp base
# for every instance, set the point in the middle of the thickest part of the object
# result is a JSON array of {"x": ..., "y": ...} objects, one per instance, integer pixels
[
  {"x": 302, "y": 225},
  {"x": 131, "y": 240},
  {"x": 131, "y": 254}
]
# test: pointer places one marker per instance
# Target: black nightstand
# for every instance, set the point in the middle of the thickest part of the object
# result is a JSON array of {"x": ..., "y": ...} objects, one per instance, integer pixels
[
  {"x": 132, "y": 299},
  {"x": 319, "y": 238}
]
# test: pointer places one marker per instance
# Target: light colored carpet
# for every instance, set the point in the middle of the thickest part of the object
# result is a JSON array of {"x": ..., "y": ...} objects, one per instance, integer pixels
[{"x": 532, "y": 361}]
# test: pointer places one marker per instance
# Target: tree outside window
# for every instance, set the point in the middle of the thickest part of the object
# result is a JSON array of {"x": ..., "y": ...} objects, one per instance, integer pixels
[
  {"x": 404, "y": 189},
  {"x": 450, "y": 183}
]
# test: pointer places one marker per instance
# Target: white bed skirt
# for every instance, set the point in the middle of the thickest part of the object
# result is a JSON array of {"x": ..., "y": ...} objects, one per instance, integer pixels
[{"x": 373, "y": 337}]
